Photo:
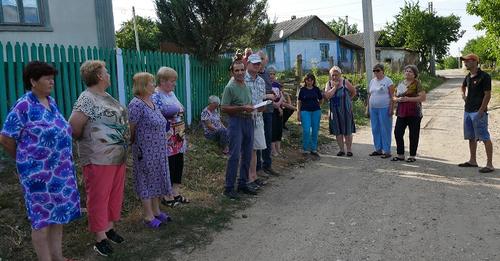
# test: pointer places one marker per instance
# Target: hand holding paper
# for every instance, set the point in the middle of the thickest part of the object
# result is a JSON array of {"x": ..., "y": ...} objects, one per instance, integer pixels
[{"x": 264, "y": 103}]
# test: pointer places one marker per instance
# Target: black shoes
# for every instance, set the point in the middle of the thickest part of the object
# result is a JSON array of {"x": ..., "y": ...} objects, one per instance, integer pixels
[
  {"x": 103, "y": 248},
  {"x": 231, "y": 195},
  {"x": 247, "y": 190},
  {"x": 114, "y": 237},
  {"x": 270, "y": 172}
]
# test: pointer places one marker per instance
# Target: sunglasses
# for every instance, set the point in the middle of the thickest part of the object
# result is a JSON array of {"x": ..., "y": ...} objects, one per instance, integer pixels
[{"x": 377, "y": 70}]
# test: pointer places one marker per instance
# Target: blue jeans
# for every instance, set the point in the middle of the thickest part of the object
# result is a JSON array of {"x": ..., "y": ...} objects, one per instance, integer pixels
[
  {"x": 310, "y": 128},
  {"x": 264, "y": 157},
  {"x": 240, "y": 133},
  {"x": 381, "y": 123}
]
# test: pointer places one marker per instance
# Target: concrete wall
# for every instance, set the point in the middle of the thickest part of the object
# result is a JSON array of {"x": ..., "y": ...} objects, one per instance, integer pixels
[{"x": 73, "y": 23}]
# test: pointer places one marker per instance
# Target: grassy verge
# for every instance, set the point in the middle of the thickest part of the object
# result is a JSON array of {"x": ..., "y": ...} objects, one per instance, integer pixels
[{"x": 194, "y": 223}]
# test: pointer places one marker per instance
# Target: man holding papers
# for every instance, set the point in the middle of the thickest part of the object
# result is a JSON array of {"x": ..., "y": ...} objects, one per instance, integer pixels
[{"x": 237, "y": 103}]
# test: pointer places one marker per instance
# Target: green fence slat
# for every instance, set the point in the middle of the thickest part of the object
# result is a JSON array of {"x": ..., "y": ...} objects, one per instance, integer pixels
[
  {"x": 71, "y": 74},
  {"x": 19, "y": 71},
  {"x": 113, "y": 72},
  {"x": 95, "y": 53},
  {"x": 34, "y": 53},
  {"x": 41, "y": 55},
  {"x": 10, "y": 74},
  {"x": 3, "y": 88},
  {"x": 58, "y": 83},
  {"x": 48, "y": 54},
  {"x": 26, "y": 54},
  {"x": 65, "y": 82},
  {"x": 76, "y": 65},
  {"x": 89, "y": 53}
]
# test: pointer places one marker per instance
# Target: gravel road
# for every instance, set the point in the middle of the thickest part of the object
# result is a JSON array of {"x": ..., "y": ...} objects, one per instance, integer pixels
[{"x": 367, "y": 208}]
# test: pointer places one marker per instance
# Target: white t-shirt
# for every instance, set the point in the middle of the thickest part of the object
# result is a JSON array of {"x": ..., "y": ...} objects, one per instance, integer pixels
[{"x": 379, "y": 92}]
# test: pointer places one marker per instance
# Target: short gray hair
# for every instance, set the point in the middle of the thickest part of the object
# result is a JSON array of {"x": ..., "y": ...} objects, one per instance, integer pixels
[
  {"x": 413, "y": 68},
  {"x": 213, "y": 98}
]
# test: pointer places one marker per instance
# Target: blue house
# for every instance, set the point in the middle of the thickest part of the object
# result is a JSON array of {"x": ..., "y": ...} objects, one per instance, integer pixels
[{"x": 318, "y": 45}]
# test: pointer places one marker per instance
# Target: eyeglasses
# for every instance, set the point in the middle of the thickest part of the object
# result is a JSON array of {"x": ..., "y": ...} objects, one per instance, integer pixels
[{"x": 376, "y": 70}]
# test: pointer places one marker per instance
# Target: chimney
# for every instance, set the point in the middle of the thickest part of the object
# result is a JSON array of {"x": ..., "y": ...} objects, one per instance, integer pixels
[{"x": 294, "y": 17}]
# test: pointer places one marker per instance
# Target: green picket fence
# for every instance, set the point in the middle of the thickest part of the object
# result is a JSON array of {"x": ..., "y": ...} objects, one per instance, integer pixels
[
  {"x": 205, "y": 80},
  {"x": 67, "y": 61}
]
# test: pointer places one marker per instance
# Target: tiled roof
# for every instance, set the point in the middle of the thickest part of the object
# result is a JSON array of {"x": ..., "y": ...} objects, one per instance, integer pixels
[{"x": 289, "y": 27}]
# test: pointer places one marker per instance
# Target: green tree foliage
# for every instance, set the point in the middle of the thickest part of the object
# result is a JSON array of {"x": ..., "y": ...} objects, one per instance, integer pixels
[
  {"x": 208, "y": 28},
  {"x": 419, "y": 29},
  {"x": 482, "y": 47},
  {"x": 450, "y": 62},
  {"x": 147, "y": 29},
  {"x": 338, "y": 26},
  {"x": 489, "y": 11}
]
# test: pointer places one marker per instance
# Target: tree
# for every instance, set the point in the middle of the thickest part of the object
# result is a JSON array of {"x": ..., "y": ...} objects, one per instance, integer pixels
[
  {"x": 450, "y": 62},
  {"x": 480, "y": 46},
  {"x": 418, "y": 30},
  {"x": 147, "y": 29},
  {"x": 210, "y": 28},
  {"x": 490, "y": 21},
  {"x": 339, "y": 26}
]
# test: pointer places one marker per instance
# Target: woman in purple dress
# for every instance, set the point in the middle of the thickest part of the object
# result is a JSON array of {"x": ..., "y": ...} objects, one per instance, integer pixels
[
  {"x": 148, "y": 129},
  {"x": 39, "y": 138}
]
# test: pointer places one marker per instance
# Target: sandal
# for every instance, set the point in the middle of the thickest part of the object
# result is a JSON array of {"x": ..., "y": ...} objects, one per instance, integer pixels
[
  {"x": 397, "y": 159},
  {"x": 164, "y": 217},
  {"x": 153, "y": 223},
  {"x": 486, "y": 170},
  {"x": 376, "y": 153},
  {"x": 410, "y": 160},
  {"x": 467, "y": 165},
  {"x": 349, "y": 154},
  {"x": 181, "y": 199},
  {"x": 386, "y": 155},
  {"x": 341, "y": 153},
  {"x": 169, "y": 203}
]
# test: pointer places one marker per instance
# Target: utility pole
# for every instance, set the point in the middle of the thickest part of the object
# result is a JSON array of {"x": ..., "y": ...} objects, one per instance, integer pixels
[
  {"x": 432, "y": 59},
  {"x": 368, "y": 38},
  {"x": 346, "y": 27},
  {"x": 135, "y": 31}
]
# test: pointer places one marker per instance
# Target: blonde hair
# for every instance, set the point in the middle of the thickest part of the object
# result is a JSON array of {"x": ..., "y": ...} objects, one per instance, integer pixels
[
  {"x": 89, "y": 71},
  {"x": 335, "y": 68},
  {"x": 165, "y": 73},
  {"x": 141, "y": 81}
]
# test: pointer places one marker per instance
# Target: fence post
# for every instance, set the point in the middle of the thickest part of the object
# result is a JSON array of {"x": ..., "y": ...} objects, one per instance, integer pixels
[
  {"x": 188, "y": 89},
  {"x": 120, "y": 76}
]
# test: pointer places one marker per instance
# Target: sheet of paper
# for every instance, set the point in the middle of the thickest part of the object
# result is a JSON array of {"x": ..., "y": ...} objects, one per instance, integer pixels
[{"x": 264, "y": 103}]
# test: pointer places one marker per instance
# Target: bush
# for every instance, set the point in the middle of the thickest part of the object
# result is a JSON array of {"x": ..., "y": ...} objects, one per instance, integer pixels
[{"x": 450, "y": 62}]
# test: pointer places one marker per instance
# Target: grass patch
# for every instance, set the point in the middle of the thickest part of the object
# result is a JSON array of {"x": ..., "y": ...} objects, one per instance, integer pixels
[{"x": 193, "y": 226}]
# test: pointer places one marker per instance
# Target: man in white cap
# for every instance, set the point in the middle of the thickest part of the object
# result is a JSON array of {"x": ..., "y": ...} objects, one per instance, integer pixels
[{"x": 476, "y": 92}]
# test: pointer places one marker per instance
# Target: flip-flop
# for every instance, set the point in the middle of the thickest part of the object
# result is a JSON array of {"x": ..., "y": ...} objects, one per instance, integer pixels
[
  {"x": 376, "y": 153},
  {"x": 163, "y": 217},
  {"x": 385, "y": 156},
  {"x": 181, "y": 199},
  {"x": 410, "y": 160},
  {"x": 397, "y": 159},
  {"x": 341, "y": 153},
  {"x": 349, "y": 154},
  {"x": 467, "y": 165},
  {"x": 153, "y": 223},
  {"x": 486, "y": 170}
]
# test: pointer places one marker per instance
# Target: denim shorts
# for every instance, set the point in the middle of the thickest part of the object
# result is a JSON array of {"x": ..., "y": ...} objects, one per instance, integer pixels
[{"x": 475, "y": 127}]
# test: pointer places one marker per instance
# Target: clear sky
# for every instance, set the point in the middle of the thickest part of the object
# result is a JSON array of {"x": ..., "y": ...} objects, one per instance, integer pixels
[{"x": 281, "y": 10}]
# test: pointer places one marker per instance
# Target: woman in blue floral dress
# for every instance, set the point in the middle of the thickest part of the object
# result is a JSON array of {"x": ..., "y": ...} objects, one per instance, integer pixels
[{"x": 39, "y": 138}]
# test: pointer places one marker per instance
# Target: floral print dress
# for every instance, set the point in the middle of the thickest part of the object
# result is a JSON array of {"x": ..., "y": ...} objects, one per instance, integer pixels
[{"x": 44, "y": 161}]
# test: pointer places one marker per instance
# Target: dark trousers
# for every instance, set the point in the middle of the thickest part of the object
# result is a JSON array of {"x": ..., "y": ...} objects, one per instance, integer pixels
[
  {"x": 264, "y": 160},
  {"x": 413, "y": 124},
  {"x": 240, "y": 132}
]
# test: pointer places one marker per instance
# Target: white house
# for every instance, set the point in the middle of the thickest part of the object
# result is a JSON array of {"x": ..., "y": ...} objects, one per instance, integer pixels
[{"x": 67, "y": 22}]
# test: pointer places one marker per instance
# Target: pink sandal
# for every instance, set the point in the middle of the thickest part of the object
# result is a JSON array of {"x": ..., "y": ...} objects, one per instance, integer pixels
[{"x": 154, "y": 223}]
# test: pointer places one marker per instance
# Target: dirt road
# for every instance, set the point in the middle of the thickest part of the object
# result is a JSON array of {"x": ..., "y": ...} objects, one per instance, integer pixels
[{"x": 366, "y": 208}]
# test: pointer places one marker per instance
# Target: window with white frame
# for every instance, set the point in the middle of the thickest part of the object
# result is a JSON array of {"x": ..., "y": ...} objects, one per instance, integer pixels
[
  {"x": 324, "y": 49},
  {"x": 19, "y": 14}
]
